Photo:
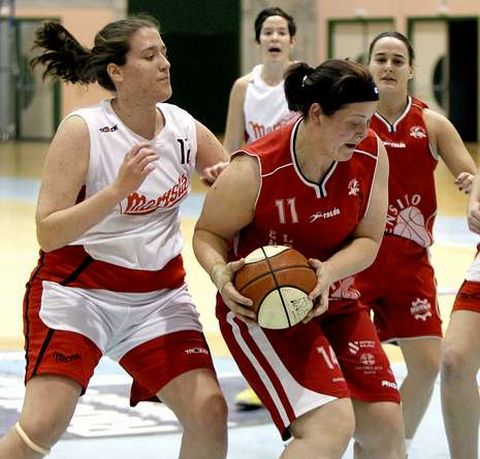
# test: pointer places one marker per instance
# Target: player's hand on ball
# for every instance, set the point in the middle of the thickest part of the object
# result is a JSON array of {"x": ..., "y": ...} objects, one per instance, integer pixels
[{"x": 222, "y": 275}]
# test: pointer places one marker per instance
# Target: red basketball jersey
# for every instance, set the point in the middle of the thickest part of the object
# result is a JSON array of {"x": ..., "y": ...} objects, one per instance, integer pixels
[
  {"x": 411, "y": 187},
  {"x": 317, "y": 219}
]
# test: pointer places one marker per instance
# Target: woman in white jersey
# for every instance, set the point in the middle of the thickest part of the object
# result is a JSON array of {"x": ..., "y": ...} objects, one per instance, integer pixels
[
  {"x": 257, "y": 103},
  {"x": 110, "y": 279}
]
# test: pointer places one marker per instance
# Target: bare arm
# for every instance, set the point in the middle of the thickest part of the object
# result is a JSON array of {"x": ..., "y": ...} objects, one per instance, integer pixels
[
  {"x": 235, "y": 129},
  {"x": 59, "y": 219},
  {"x": 449, "y": 145},
  {"x": 473, "y": 211},
  {"x": 362, "y": 250},
  {"x": 212, "y": 159},
  {"x": 225, "y": 212}
]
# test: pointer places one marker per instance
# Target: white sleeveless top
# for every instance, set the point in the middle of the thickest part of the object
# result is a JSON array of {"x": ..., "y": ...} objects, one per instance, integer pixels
[
  {"x": 265, "y": 107},
  {"x": 143, "y": 230}
]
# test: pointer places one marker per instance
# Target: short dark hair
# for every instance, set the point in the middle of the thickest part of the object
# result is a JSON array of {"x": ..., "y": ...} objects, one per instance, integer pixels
[
  {"x": 65, "y": 58},
  {"x": 332, "y": 85},
  {"x": 273, "y": 11},
  {"x": 398, "y": 36}
]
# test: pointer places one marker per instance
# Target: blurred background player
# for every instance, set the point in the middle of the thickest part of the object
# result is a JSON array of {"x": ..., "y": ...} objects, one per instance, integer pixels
[
  {"x": 110, "y": 278},
  {"x": 325, "y": 175},
  {"x": 400, "y": 285},
  {"x": 257, "y": 102},
  {"x": 461, "y": 354}
]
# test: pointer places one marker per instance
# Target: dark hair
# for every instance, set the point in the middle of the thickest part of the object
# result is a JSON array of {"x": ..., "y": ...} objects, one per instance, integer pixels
[
  {"x": 65, "y": 58},
  {"x": 332, "y": 84},
  {"x": 274, "y": 11},
  {"x": 398, "y": 36}
]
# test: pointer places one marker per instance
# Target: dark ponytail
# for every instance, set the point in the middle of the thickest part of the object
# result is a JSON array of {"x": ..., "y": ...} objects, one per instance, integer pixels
[
  {"x": 294, "y": 85},
  {"x": 66, "y": 59}
]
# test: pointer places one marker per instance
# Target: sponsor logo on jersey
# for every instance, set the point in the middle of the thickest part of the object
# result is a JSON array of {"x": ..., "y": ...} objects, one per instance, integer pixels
[
  {"x": 405, "y": 219},
  {"x": 421, "y": 309},
  {"x": 139, "y": 204},
  {"x": 418, "y": 132},
  {"x": 353, "y": 187},
  {"x": 324, "y": 215},
  {"x": 108, "y": 129},
  {"x": 388, "y": 143},
  {"x": 62, "y": 358}
]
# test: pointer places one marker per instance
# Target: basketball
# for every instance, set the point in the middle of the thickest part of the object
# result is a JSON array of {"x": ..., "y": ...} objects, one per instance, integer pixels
[{"x": 278, "y": 280}]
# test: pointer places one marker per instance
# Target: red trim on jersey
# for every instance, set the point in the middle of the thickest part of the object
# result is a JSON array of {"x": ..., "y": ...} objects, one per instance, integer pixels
[{"x": 73, "y": 266}]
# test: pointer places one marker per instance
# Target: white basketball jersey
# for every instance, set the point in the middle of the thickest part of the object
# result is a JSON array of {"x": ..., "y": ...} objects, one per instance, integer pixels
[
  {"x": 143, "y": 230},
  {"x": 265, "y": 108}
]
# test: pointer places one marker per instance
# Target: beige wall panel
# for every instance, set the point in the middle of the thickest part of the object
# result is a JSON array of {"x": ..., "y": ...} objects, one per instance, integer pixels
[
  {"x": 430, "y": 43},
  {"x": 83, "y": 23}
]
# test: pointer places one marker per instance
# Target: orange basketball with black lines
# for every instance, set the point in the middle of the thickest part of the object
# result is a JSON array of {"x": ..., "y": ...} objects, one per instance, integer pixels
[{"x": 278, "y": 280}]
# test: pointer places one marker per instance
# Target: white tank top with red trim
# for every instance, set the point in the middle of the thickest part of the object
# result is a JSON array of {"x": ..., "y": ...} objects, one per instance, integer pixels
[
  {"x": 143, "y": 230},
  {"x": 265, "y": 107}
]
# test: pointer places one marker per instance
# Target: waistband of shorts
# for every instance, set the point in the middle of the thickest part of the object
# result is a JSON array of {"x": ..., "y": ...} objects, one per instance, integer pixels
[{"x": 73, "y": 266}]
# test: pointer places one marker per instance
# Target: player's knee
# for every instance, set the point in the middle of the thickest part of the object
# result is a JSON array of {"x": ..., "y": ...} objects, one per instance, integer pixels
[
  {"x": 430, "y": 368},
  {"x": 32, "y": 440},
  {"x": 384, "y": 433},
  {"x": 455, "y": 364},
  {"x": 210, "y": 417},
  {"x": 337, "y": 427},
  {"x": 42, "y": 429}
]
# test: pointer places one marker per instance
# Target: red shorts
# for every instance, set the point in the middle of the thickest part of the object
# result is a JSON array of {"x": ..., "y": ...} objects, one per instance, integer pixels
[
  {"x": 363, "y": 361},
  {"x": 152, "y": 364},
  {"x": 468, "y": 297},
  {"x": 401, "y": 290},
  {"x": 296, "y": 370}
]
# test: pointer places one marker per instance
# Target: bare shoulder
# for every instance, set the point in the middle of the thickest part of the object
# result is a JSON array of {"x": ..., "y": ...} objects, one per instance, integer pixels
[
  {"x": 435, "y": 122},
  {"x": 240, "y": 84},
  {"x": 70, "y": 146},
  {"x": 241, "y": 174},
  {"x": 72, "y": 129}
]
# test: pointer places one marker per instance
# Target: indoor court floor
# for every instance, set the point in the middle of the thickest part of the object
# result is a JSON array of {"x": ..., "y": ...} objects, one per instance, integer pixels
[{"x": 103, "y": 425}]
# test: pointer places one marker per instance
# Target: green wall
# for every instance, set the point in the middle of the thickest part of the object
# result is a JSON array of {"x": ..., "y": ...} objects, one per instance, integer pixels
[{"x": 202, "y": 38}]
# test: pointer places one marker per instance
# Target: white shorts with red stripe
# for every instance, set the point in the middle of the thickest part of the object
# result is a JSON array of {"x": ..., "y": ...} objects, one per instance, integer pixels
[{"x": 117, "y": 322}]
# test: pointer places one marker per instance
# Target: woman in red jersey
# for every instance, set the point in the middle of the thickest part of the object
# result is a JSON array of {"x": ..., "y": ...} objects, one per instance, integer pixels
[
  {"x": 461, "y": 354},
  {"x": 318, "y": 185},
  {"x": 400, "y": 285}
]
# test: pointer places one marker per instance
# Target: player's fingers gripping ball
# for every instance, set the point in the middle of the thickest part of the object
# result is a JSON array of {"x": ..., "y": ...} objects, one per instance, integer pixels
[{"x": 278, "y": 280}]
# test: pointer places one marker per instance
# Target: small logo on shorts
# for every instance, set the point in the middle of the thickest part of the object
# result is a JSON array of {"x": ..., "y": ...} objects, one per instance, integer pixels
[
  {"x": 355, "y": 346},
  {"x": 421, "y": 309},
  {"x": 62, "y": 358},
  {"x": 197, "y": 350},
  {"x": 367, "y": 359},
  {"x": 390, "y": 384}
]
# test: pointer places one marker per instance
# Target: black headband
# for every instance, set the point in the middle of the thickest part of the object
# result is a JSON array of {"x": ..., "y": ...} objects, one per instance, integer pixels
[{"x": 360, "y": 91}]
